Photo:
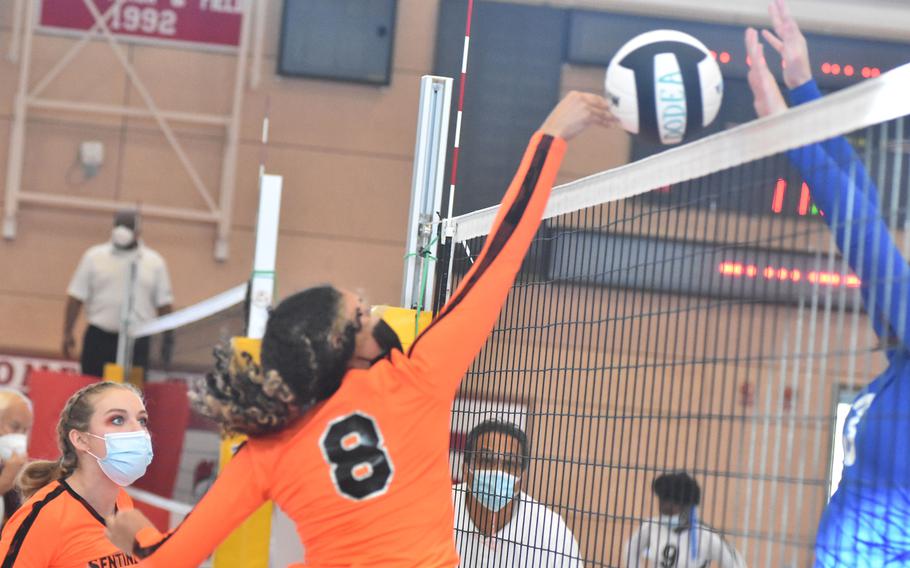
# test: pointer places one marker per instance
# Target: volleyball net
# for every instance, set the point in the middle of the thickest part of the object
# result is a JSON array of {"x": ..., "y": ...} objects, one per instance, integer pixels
[
  {"x": 182, "y": 342},
  {"x": 692, "y": 312}
]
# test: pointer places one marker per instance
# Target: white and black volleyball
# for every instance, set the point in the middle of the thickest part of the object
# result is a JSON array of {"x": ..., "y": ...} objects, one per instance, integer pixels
[{"x": 664, "y": 85}]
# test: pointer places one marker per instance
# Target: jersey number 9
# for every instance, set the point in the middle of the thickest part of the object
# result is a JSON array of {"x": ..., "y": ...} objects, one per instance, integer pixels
[
  {"x": 670, "y": 556},
  {"x": 360, "y": 466}
]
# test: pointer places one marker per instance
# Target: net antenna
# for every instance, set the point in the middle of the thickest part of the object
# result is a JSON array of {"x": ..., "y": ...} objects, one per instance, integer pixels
[
  {"x": 449, "y": 229},
  {"x": 262, "y": 282},
  {"x": 124, "y": 341},
  {"x": 219, "y": 311},
  {"x": 426, "y": 191}
]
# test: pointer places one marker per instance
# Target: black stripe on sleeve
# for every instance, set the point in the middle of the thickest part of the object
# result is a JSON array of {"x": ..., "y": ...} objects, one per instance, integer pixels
[
  {"x": 16, "y": 544},
  {"x": 509, "y": 223},
  {"x": 146, "y": 551}
]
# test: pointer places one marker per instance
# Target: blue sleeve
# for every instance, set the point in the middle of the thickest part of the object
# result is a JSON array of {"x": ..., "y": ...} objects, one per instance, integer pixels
[
  {"x": 837, "y": 148},
  {"x": 862, "y": 237}
]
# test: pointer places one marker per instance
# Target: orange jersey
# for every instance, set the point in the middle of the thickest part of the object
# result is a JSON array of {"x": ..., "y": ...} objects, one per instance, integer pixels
[
  {"x": 56, "y": 528},
  {"x": 365, "y": 475}
]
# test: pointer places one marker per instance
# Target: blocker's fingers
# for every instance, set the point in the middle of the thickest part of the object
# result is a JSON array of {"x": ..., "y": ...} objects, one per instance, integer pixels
[
  {"x": 783, "y": 10},
  {"x": 752, "y": 43},
  {"x": 773, "y": 40},
  {"x": 777, "y": 20}
]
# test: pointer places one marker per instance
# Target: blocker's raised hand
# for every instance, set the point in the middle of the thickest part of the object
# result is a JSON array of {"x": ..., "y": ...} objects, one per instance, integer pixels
[
  {"x": 766, "y": 95},
  {"x": 789, "y": 42}
]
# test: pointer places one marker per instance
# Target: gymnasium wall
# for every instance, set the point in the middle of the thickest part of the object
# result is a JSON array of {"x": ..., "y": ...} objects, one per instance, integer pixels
[{"x": 344, "y": 150}]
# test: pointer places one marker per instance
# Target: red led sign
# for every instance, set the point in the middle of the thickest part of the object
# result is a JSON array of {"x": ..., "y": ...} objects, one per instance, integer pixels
[
  {"x": 806, "y": 207},
  {"x": 829, "y": 68},
  {"x": 733, "y": 269}
]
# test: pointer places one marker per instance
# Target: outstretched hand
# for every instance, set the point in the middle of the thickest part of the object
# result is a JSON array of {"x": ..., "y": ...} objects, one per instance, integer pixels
[
  {"x": 575, "y": 112},
  {"x": 790, "y": 43},
  {"x": 766, "y": 95}
]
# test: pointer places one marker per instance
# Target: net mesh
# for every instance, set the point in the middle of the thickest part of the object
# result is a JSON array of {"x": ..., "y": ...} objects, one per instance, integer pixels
[
  {"x": 662, "y": 322},
  {"x": 183, "y": 342}
]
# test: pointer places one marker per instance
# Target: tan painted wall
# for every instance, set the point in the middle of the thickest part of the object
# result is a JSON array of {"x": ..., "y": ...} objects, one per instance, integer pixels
[
  {"x": 344, "y": 150},
  {"x": 345, "y": 153}
]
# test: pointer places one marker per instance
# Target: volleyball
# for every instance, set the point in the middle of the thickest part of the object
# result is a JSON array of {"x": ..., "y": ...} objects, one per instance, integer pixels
[{"x": 664, "y": 85}]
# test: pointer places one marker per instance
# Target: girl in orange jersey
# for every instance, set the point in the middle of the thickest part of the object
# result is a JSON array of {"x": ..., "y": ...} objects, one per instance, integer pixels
[
  {"x": 352, "y": 443},
  {"x": 104, "y": 446}
]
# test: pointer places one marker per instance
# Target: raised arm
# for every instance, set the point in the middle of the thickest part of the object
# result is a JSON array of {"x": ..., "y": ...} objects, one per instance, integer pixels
[
  {"x": 839, "y": 184},
  {"x": 234, "y": 496},
  {"x": 788, "y": 40},
  {"x": 444, "y": 351},
  {"x": 863, "y": 238},
  {"x": 837, "y": 148}
]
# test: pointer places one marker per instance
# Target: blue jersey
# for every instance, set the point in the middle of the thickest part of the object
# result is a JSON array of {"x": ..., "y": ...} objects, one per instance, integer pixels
[{"x": 867, "y": 522}]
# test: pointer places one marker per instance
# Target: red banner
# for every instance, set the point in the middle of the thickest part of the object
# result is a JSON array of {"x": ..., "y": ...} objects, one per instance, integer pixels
[
  {"x": 209, "y": 22},
  {"x": 15, "y": 368}
]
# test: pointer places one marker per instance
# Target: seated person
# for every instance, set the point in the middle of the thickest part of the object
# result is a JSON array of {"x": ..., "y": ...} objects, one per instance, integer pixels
[
  {"x": 496, "y": 523},
  {"x": 676, "y": 538},
  {"x": 15, "y": 425}
]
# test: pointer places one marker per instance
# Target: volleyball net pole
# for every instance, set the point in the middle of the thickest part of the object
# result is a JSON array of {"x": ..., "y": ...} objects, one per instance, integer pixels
[
  {"x": 426, "y": 191},
  {"x": 248, "y": 545}
]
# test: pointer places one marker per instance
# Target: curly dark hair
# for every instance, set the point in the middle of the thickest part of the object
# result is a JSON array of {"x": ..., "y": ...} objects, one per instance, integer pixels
[
  {"x": 307, "y": 345},
  {"x": 678, "y": 488}
]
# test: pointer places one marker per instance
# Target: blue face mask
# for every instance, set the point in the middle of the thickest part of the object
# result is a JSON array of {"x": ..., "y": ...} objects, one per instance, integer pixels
[
  {"x": 493, "y": 488},
  {"x": 128, "y": 456}
]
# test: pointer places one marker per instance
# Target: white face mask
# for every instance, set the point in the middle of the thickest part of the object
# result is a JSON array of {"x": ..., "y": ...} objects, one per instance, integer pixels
[
  {"x": 12, "y": 444},
  {"x": 122, "y": 237},
  {"x": 128, "y": 455}
]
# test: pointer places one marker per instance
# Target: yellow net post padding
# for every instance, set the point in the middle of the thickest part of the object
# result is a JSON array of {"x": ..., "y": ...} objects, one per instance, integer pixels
[
  {"x": 406, "y": 323},
  {"x": 114, "y": 373},
  {"x": 248, "y": 546}
]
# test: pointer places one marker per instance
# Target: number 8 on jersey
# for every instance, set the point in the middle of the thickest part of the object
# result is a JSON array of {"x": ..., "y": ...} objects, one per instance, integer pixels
[{"x": 360, "y": 467}]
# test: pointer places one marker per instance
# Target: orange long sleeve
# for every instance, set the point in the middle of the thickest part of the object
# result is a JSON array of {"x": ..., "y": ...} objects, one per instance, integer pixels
[
  {"x": 234, "y": 496},
  {"x": 365, "y": 475},
  {"x": 444, "y": 352}
]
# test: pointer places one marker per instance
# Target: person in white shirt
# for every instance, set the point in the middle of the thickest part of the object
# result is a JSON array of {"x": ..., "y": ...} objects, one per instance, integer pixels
[
  {"x": 676, "y": 539},
  {"x": 100, "y": 284},
  {"x": 496, "y": 523}
]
